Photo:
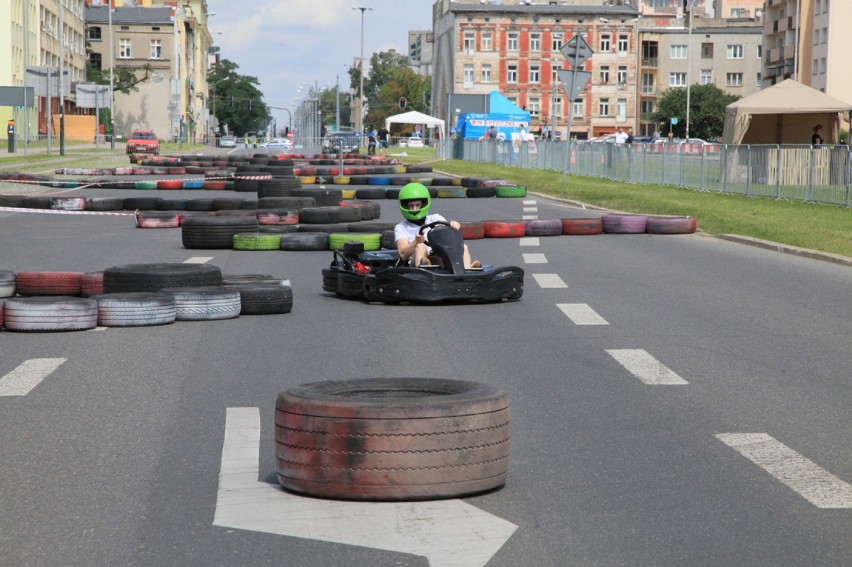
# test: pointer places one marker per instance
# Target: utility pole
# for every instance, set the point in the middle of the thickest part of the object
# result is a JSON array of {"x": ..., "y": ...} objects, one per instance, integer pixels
[
  {"x": 691, "y": 6},
  {"x": 337, "y": 103},
  {"x": 359, "y": 118}
]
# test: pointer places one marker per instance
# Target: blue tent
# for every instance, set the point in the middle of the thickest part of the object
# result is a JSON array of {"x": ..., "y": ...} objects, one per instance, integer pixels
[{"x": 502, "y": 114}]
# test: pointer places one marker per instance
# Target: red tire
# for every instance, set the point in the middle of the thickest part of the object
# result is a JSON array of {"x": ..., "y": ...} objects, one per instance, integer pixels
[
  {"x": 671, "y": 225},
  {"x": 472, "y": 230},
  {"x": 48, "y": 283},
  {"x": 214, "y": 185},
  {"x": 504, "y": 229},
  {"x": 392, "y": 438},
  {"x": 92, "y": 283},
  {"x": 582, "y": 226},
  {"x": 157, "y": 220},
  {"x": 169, "y": 184}
]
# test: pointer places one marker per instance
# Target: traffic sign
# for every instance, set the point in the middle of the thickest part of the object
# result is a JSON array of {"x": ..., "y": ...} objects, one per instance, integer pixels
[
  {"x": 674, "y": 120},
  {"x": 576, "y": 50},
  {"x": 573, "y": 81}
]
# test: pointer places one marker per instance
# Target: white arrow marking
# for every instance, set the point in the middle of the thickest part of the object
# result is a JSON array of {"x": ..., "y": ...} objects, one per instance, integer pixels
[{"x": 449, "y": 533}]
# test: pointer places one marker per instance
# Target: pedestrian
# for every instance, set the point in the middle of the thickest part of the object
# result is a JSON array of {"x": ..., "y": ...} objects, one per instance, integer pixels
[
  {"x": 491, "y": 134},
  {"x": 545, "y": 132},
  {"x": 816, "y": 138},
  {"x": 383, "y": 141},
  {"x": 371, "y": 141},
  {"x": 629, "y": 136},
  {"x": 620, "y": 136}
]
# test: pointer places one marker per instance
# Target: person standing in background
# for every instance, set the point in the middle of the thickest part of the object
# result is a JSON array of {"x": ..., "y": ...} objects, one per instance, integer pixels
[{"x": 816, "y": 138}]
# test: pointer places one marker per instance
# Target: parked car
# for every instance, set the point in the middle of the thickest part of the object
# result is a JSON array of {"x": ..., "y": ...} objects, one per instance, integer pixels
[
  {"x": 228, "y": 142},
  {"x": 143, "y": 142},
  {"x": 415, "y": 142},
  {"x": 278, "y": 143},
  {"x": 340, "y": 142}
]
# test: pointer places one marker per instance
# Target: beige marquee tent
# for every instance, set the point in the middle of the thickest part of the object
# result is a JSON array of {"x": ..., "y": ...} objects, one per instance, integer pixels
[{"x": 785, "y": 113}]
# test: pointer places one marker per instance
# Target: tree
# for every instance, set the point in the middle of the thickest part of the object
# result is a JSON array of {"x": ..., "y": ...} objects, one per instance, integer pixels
[
  {"x": 236, "y": 99},
  {"x": 706, "y": 111}
]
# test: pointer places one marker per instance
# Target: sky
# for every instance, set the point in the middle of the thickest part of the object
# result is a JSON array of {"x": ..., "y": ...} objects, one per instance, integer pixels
[{"x": 284, "y": 43}]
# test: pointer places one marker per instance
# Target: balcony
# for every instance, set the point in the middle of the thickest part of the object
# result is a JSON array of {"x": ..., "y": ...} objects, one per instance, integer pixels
[{"x": 649, "y": 62}]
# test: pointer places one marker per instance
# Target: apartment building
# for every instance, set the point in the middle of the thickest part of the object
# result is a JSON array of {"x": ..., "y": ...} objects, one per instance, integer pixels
[
  {"x": 513, "y": 47},
  {"x": 420, "y": 44}
]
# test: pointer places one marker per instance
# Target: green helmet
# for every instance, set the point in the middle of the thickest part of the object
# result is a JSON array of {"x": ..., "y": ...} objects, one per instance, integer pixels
[{"x": 414, "y": 192}]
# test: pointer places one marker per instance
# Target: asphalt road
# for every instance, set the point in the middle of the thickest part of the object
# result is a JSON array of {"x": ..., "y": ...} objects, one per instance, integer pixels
[{"x": 738, "y": 455}]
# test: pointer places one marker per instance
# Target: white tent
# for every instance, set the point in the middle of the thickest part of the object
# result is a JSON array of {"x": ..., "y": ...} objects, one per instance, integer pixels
[{"x": 415, "y": 117}]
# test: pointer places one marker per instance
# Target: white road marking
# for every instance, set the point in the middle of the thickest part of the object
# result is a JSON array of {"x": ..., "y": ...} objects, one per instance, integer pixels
[
  {"x": 28, "y": 375},
  {"x": 198, "y": 260},
  {"x": 581, "y": 314},
  {"x": 535, "y": 258},
  {"x": 530, "y": 209},
  {"x": 529, "y": 217},
  {"x": 806, "y": 478},
  {"x": 530, "y": 202},
  {"x": 645, "y": 367},
  {"x": 449, "y": 533},
  {"x": 529, "y": 241},
  {"x": 549, "y": 281},
  {"x": 98, "y": 329}
]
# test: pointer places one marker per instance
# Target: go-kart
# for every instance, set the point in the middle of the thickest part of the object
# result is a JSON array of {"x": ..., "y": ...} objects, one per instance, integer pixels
[{"x": 383, "y": 276}]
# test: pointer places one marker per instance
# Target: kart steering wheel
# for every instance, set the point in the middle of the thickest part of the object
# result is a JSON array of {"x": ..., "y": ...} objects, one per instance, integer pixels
[{"x": 432, "y": 225}]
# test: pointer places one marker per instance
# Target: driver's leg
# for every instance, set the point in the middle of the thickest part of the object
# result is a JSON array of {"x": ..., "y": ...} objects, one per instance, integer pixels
[
  {"x": 466, "y": 257},
  {"x": 420, "y": 252}
]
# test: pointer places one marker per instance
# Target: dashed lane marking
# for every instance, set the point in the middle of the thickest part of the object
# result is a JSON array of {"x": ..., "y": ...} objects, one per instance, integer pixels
[
  {"x": 549, "y": 281},
  {"x": 529, "y": 217},
  {"x": 806, "y": 478},
  {"x": 529, "y": 241},
  {"x": 645, "y": 367},
  {"x": 535, "y": 259},
  {"x": 28, "y": 375},
  {"x": 530, "y": 209},
  {"x": 581, "y": 314},
  {"x": 530, "y": 202},
  {"x": 198, "y": 260}
]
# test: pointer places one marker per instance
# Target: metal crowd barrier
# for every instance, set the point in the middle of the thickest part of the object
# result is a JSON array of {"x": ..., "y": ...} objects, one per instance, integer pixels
[{"x": 819, "y": 174}]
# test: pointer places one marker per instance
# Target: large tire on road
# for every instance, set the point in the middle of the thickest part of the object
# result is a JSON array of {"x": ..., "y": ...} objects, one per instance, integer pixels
[
  {"x": 624, "y": 224},
  {"x": 320, "y": 215},
  {"x": 304, "y": 241},
  {"x": 671, "y": 225},
  {"x": 154, "y": 277},
  {"x": 582, "y": 226},
  {"x": 135, "y": 309},
  {"x": 205, "y": 303},
  {"x": 472, "y": 230},
  {"x": 504, "y": 229},
  {"x": 543, "y": 227},
  {"x": 392, "y": 438},
  {"x": 48, "y": 283},
  {"x": 157, "y": 219},
  {"x": 371, "y": 241},
  {"x": 257, "y": 241},
  {"x": 57, "y": 313},
  {"x": 264, "y": 298}
]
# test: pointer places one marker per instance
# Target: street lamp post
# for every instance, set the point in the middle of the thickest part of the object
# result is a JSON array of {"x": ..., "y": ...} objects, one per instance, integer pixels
[
  {"x": 691, "y": 6},
  {"x": 359, "y": 118}
]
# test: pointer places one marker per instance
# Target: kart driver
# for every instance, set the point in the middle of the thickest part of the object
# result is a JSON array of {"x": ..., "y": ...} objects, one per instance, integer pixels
[{"x": 414, "y": 202}]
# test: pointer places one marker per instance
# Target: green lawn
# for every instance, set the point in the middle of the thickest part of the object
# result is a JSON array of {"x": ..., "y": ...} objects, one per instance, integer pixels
[{"x": 814, "y": 226}]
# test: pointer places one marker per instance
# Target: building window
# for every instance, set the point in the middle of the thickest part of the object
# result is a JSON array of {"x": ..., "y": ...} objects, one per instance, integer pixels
[
  {"x": 577, "y": 109},
  {"x": 512, "y": 42},
  {"x": 534, "y": 106},
  {"x": 603, "y": 107},
  {"x": 486, "y": 73},
  {"x": 605, "y": 44},
  {"x": 511, "y": 73},
  {"x": 621, "y": 109},
  {"x": 735, "y": 52},
  {"x": 95, "y": 33},
  {"x": 487, "y": 42},
  {"x": 677, "y": 52},
  {"x": 124, "y": 49},
  {"x": 95, "y": 60},
  {"x": 815, "y": 68},
  {"x": 604, "y": 74},
  {"x": 469, "y": 42},
  {"x": 535, "y": 74},
  {"x": 707, "y": 51},
  {"x": 468, "y": 75},
  {"x": 621, "y": 75},
  {"x": 825, "y": 35},
  {"x": 759, "y": 51},
  {"x": 555, "y": 41},
  {"x": 823, "y": 67},
  {"x": 706, "y": 77},
  {"x": 156, "y": 49},
  {"x": 648, "y": 83},
  {"x": 554, "y": 75},
  {"x": 623, "y": 43},
  {"x": 734, "y": 80},
  {"x": 535, "y": 42},
  {"x": 677, "y": 79}
]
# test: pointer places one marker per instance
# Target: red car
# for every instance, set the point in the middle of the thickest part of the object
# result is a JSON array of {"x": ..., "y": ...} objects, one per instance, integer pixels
[{"x": 143, "y": 142}]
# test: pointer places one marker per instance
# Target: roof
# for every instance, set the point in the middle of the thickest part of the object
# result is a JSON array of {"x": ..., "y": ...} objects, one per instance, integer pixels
[
  {"x": 545, "y": 9},
  {"x": 790, "y": 97},
  {"x": 129, "y": 15}
]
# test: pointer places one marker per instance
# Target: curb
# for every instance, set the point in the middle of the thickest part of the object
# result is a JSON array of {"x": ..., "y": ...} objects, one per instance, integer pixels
[{"x": 787, "y": 249}]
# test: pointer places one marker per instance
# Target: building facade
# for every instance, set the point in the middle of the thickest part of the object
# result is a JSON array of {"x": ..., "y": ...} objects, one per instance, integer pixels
[
  {"x": 420, "y": 44},
  {"x": 513, "y": 48}
]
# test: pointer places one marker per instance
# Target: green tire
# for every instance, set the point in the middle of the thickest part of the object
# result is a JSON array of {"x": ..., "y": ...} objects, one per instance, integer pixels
[
  {"x": 257, "y": 241},
  {"x": 511, "y": 190},
  {"x": 371, "y": 240}
]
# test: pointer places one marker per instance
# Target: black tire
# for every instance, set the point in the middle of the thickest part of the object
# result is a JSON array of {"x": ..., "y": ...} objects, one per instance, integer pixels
[
  {"x": 141, "y": 203},
  {"x": 392, "y": 438},
  {"x": 135, "y": 309},
  {"x": 319, "y": 215},
  {"x": 370, "y": 193},
  {"x": 389, "y": 239},
  {"x": 264, "y": 298},
  {"x": 154, "y": 277},
  {"x": 324, "y": 197},
  {"x": 304, "y": 241},
  {"x": 481, "y": 192},
  {"x": 328, "y": 228},
  {"x": 277, "y": 228},
  {"x": 199, "y": 204},
  {"x": 205, "y": 303},
  {"x": 215, "y": 232},
  {"x": 104, "y": 204},
  {"x": 371, "y": 226},
  {"x": 286, "y": 202}
]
